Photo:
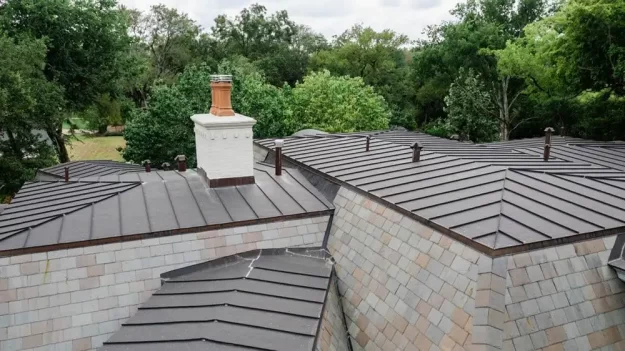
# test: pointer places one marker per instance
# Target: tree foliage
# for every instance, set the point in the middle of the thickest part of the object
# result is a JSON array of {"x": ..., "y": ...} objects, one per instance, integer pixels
[
  {"x": 85, "y": 41},
  {"x": 380, "y": 59},
  {"x": 338, "y": 104},
  {"x": 27, "y": 99},
  {"x": 469, "y": 107}
]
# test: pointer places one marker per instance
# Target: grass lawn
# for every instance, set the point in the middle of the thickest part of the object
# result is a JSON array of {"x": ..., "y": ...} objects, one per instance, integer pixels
[{"x": 96, "y": 148}]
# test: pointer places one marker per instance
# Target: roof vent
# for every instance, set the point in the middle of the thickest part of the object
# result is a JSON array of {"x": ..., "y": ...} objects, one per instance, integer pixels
[
  {"x": 279, "y": 143},
  {"x": 147, "y": 165},
  {"x": 182, "y": 163},
  {"x": 548, "y": 133},
  {"x": 221, "y": 90},
  {"x": 547, "y": 150},
  {"x": 416, "y": 151}
]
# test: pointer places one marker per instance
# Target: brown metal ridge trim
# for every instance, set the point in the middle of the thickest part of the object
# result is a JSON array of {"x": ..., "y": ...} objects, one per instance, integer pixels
[
  {"x": 165, "y": 233},
  {"x": 458, "y": 237}
]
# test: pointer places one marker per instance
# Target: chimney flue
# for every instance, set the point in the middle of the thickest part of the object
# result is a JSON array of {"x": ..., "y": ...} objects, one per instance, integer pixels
[
  {"x": 562, "y": 130},
  {"x": 416, "y": 151},
  {"x": 546, "y": 152},
  {"x": 148, "y": 166},
  {"x": 67, "y": 174},
  {"x": 279, "y": 143},
  {"x": 182, "y": 163},
  {"x": 221, "y": 89},
  {"x": 368, "y": 142}
]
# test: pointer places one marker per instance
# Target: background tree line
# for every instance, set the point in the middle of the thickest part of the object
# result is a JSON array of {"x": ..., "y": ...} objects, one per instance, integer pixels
[{"x": 502, "y": 69}]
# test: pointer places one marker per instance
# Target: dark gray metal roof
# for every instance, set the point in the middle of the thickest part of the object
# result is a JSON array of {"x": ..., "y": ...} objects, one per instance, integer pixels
[
  {"x": 259, "y": 300},
  {"x": 118, "y": 205},
  {"x": 496, "y": 198},
  {"x": 81, "y": 169}
]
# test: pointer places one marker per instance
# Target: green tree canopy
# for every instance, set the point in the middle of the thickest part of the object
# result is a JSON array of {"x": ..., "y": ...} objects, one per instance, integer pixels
[
  {"x": 338, "y": 104},
  {"x": 379, "y": 58},
  {"x": 86, "y": 42},
  {"x": 278, "y": 46},
  {"x": 469, "y": 107},
  {"x": 27, "y": 100}
]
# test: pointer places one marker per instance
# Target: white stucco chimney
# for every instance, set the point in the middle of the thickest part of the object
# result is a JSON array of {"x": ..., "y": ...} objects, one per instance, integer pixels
[{"x": 223, "y": 139}]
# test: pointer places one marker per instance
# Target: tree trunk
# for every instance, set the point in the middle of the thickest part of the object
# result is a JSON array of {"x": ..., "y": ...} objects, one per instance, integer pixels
[
  {"x": 56, "y": 135},
  {"x": 506, "y": 108},
  {"x": 16, "y": 149}
]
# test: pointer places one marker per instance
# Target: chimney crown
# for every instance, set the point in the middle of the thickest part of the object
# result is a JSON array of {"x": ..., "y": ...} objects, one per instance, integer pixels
[
  {"x": 221, "y": 90},
  {"x": 279, "y": 142}
]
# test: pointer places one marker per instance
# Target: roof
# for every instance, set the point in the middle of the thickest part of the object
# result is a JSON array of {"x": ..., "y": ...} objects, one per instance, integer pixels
[
  {"x": 117, "y": 206},
  {"x": 495, "y": 198},
  {"x": 81, "y": 169},
  {"x": 260, "y": 300}
]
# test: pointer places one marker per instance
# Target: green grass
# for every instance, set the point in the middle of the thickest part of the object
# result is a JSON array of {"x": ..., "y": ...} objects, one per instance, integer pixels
[
  {"x": 78, "y": 122},
  {"x": 96, "y": 148}
]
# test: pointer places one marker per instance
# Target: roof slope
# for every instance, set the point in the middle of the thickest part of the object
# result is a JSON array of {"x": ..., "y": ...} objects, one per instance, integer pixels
[
  {"x": 493, "y": 197},
  {"x": 113, "y": 206},
  {"x": 259, "y": 300},
  {"x": 81, "y": 169}
]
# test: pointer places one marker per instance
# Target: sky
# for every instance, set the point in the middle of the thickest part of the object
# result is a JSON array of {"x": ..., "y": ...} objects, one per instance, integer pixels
[{"x": 329, "y": 17}]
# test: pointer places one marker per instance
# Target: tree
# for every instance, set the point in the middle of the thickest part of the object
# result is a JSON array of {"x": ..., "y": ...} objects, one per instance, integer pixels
[
  {"x": 471, "y": 109},
  {"x": 253, "y": 96},
  {"x": 27, "y": 99},
  {"x": 338, "y": 104},
  {"x": 572, "y": 81},
  {"x": 168, "y": 37},
  {"x": 164, "y": 129},
  {"x": 274, "y": 43},
  {"x": 380, "y": 60},
  {"x": 483, "y": 26},
  {"x": 599, "y": 63},
  {"x": 86, "y": 42}
]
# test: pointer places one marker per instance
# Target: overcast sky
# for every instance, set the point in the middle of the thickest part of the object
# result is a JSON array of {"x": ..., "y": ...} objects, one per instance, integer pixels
[{"x": 328, "y": 17}]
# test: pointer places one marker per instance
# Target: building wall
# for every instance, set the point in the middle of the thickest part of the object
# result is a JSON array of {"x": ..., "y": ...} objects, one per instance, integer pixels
[
  {"x": 75, "y": 299},
  {"x": 404, "y": 286},
  {"x": 565, "y": 298},
  {"x": 333, "y": 336}
]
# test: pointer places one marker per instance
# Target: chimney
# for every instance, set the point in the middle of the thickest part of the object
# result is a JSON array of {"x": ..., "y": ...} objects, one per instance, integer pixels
[
  {"x": 182, "y": 163},
  {"x": 223, "y": 139}
]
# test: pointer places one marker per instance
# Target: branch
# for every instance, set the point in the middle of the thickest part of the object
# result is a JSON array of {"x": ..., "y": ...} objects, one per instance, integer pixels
[
  {"x": 538, "y": 85},
  {"x": 515, "y": 97}
]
